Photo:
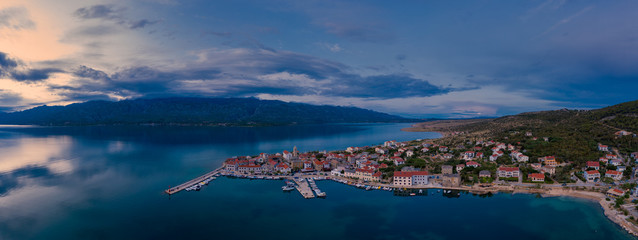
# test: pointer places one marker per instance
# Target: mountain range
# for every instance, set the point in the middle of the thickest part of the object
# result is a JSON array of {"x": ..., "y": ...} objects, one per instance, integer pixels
[{"x": 194, "y": 111}]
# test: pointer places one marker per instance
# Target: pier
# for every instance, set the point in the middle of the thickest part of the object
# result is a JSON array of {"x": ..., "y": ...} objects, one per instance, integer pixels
[
  {"x": 192, "y": 182},
  {"x": 304, "y": 188}
]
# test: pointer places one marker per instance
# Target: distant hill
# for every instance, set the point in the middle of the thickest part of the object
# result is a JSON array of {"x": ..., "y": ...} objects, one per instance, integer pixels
[{"x": 194, "y": 111}]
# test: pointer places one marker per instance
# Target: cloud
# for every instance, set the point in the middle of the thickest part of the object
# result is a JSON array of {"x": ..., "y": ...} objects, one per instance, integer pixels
[
  {"x": 15, "y": 69},
  {"x": 112, "y": 13},
  {"x": 8, "y": 99},
  {"x": 15, "y": 18},
  {"x": 34, "y": 75}
]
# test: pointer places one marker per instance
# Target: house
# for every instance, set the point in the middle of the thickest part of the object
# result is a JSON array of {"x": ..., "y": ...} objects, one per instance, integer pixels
[
  {"x": 615, "y": 192},
  {"x": 443, "y": 149},
  {"x": 425, "y": 149},
  {"x": 364, "y": 173},
  {"x": 592, "y": 176},
  {"x": 493, "y": 157},
  {"x": 409, "y": 153},
  {"x": 508, "y": 172},
  {"x": 307, "y": 166},
  {"x": 380, "y": 150},
  {"x": 446, "y": 169},
  {"x": 479, "y": 155},
  {"x": 459, "y": 168},
  {"x": 469, "y": 155},
  {"x": 616, "y": 175},
  {"x": 603, "y": 148},
  {"x": 611, "y": 156},
  {"x": 287, "y": 155},
  {"x": 472, "y": 164},
  {"x": 410, "y": 178},
  {"x": 231, "y": 164},
  {"x": 550, "y": 161},
  {"x": 548, "y": 169},
  {"x": 283, "y": 168},
  {"x": 249, "y": 169},
  {"x": 397, "y": 160},
  {"x": 528, "y": 134},
  {"x": 389, "y": 143},
  {"x": 536, "y": 177},
  {"x": 447, "y": 156},
  {"x": 615, "y": 162},
  {"x": 593, "y": 164},
  {"x": 376, "y": 177},
  {"x": 621, "y": 168},
  {"x": 485, "y": 173},
  {"x": 523, "y": 158}
]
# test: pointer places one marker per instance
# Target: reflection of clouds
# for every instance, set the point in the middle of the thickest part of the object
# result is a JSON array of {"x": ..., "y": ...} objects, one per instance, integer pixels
[
  {"x": 35, "y": 205},
  {"x": 23, "y": 152}
]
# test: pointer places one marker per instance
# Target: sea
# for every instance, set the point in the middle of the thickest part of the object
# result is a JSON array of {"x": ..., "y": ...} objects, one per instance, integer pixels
[{"x": 107, "y": 182}]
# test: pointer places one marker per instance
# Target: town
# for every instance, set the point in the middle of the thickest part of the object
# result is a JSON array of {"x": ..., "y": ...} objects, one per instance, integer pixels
[{"x": 480, "y": 167}]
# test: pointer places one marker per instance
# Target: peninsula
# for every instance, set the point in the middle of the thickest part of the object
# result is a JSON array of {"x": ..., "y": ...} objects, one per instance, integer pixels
[{"x": 546, "y": 153}]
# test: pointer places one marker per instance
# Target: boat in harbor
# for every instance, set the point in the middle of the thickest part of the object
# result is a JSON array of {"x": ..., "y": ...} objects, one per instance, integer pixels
[{"x": 287, "y": 188}]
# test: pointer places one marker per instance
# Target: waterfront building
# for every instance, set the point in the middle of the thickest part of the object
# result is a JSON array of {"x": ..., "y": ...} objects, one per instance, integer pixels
[
  {"x": 410, "y": 178},
  {"x": 508, "y": 172}
]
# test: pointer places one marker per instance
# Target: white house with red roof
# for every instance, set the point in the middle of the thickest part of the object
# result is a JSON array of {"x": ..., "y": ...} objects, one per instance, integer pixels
[
  {"x": 616, "y": 175},
  {"x": 283, "y": 168},
  {"x": 592, "y": 176},
  {"x": 472, "y": 164},
  {"x": 604, "y": 148},
  {"x": 615, "y": 192},
  {"x": 443, "y": 148},
  {"x": 508, "y": 172},
  {"x": 593, "y": 164},
  {"x": 410, "y": 178},
  {"x": 493, "y": 157},
  {"x": 536, "y": 177},
  {"x": 397, "y": 160}
]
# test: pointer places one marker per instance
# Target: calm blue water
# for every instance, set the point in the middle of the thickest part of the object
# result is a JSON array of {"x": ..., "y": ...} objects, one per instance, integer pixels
[{"x": 107, "y": 183}]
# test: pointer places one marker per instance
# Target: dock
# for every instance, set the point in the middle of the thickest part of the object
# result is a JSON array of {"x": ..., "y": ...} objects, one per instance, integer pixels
[
  {"x": 192, "y": 182},
  {"x": 304, "y": 188}
]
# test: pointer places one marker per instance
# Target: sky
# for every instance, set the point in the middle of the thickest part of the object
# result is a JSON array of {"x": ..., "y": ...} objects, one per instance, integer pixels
[{"x": 444, "y": 59}]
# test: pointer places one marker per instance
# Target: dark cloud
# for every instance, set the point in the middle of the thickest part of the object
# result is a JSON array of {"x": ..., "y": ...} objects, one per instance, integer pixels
[
  {"x": 250, "y": 72},
  {"x": 10, "y": 68},
  {"x": 386, "y": 86},
  {"x": 15, "y": 18},
  {"x": 6, "y": 62},
  {"x": 141, "y": 23},
  {"x": 34, "y": 75},
  {"x": 112, "y": 13}
]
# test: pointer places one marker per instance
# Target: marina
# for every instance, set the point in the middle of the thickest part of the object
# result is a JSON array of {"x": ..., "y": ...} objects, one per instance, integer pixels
[{"x": 196, "y": 183}]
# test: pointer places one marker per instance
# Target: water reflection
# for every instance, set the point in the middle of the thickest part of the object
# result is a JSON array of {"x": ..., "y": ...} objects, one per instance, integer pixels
[{"x": 43, "y": 152}]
